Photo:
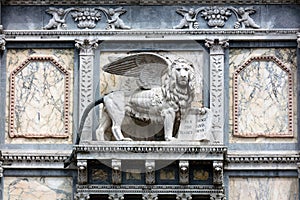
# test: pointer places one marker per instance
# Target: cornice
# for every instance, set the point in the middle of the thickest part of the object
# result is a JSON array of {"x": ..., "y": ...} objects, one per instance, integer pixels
[
  {"x": 144, "y": 2},
  {"x": 13, "y": 159},
  {"x": 160, "y": 189},
  {"x": 151, "y": 34}
]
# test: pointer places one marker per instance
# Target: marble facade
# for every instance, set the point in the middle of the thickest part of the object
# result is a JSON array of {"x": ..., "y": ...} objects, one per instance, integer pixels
[{"x": 246, "y": 57}]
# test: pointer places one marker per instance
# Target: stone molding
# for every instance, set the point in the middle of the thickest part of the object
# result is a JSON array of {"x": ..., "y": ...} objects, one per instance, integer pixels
[
  {"x": 151, "y": 34},
  {"x": 288, "y": 71},
  {"x": 13, "y": 74},
  {"x": 146, "y": 189},
  {"x": 33, "y": 159},
  {"x": 145, "y": 2}
]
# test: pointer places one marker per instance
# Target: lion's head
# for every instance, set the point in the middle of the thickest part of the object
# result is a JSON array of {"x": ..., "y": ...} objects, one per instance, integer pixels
[{"x": 179, "y": 84}]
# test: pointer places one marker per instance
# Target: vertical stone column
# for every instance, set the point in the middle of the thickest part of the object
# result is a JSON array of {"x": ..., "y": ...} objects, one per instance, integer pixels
[
  {"x": 86, "y": 88},
  {"x": 216, "y": 47}
]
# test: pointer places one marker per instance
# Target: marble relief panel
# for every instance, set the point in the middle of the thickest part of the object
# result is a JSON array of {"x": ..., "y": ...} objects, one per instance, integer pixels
[
  {"x": 42, "y": 95},
  {"x": 262, "y": 92},
  {"x": 263, "y": 188},
  {"x": 38, "y": 188}
]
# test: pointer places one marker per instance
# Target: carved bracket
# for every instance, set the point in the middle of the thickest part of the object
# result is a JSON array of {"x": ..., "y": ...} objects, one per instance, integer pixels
[
  {"x": 116, "y": 172},
  {"x": 117, "y": 196},
  {"x": 183, "y": 172},
  {"x": 150, "y": 171},
  {"x": 184, "y": 196},
  {"x": 82, "y": 172},
  {"x": 216, "y": 17},
  {"x": 150, "y": 196},
  {"x": 218, "y": 172},
  {"x": 86, "y": 17},
  {"x": 82, "y": 196}
]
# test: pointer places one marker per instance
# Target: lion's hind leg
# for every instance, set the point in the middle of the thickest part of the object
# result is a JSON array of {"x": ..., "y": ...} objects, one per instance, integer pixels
[{"x": 115, "y": 107}]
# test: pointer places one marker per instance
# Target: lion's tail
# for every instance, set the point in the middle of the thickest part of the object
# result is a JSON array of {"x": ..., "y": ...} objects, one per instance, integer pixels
[{"x": 68, "y": 161}]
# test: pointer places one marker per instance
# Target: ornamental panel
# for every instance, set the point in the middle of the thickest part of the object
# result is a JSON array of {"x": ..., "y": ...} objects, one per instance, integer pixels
[{"x": 39, "y": 99}]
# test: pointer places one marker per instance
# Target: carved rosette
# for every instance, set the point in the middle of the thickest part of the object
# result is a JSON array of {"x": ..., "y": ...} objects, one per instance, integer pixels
[
  {"x": 117, "y": 196},
  {"x": 217, "y": 85},
  {"x": 150, "y": 196},
  {"x": 150, "y": 171},
  {"x": 86, "y": 57},
  {"x": 116, "y": 172},
  {"x": 82, "y": 172},
  {"x": 184, "y": 196},
  {"x": 183, "y": 172}
]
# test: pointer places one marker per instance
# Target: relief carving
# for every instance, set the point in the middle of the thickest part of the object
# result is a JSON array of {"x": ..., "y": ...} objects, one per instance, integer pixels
[
  {"x": 218, "y": 172},
  {"x": 216, "y": 17},
  {"x": 116, "y": 172},
  {"x": 82, "y": 171},
  {"x": 165, "y": 95},
  {"x": 183, "y": 172},
  {"x": 86, "y": 17},
  {"x": 150, "y": 171}
]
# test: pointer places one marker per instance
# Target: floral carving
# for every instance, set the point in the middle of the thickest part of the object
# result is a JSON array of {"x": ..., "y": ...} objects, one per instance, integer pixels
[
  {"x": 216, "y": 16},
  {"x": 87, "y": 17}
]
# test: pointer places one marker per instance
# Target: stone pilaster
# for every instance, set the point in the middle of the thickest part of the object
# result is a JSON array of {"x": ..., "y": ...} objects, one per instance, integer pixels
[
  {"x": 298, "y": 39},
  {"x": 218, "y": 173},
  {"x": 86, "y": 88},
  {"x": 217, "y": 47},
  {"x": 82, "y": 171}
]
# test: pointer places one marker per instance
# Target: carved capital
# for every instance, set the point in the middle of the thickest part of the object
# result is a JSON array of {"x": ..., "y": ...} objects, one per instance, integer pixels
[
  {"x": 150, "y": 196},
  {"x": 116, "y": 171},
  {"x": 82, "y": 171},
  {"x": 82, "y": 196},
  {"x": 117, "y": 196},
  {"x": 150, "y": 171},
  {"x": 298, "y": 39},
  {"x": 218, "y": 172},
  {"x": 183, "y": 172},
  {"x": 216, "y": 46},
  {"x": 184, "y": 196},
  {"x": 86, "y": 46}
]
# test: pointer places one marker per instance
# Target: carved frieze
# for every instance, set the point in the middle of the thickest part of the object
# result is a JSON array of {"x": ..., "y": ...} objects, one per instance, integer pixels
[
  {"x": 216, "y": 17},
  {"x": 86, "y": 17}
]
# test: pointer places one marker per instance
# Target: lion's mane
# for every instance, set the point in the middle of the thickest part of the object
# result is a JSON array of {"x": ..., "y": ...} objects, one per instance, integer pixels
[{"x": 178, "y": 99}]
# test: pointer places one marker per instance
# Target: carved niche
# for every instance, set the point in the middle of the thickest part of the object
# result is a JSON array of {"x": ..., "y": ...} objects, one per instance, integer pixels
[
  {"x": 39, "y": 99},
  {"x": 163, "y": 100},
  {"x": 263, "y": 98}
]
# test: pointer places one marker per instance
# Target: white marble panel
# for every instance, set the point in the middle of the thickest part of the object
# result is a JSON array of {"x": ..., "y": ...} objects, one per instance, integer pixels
[{"x": 263, "y": 188}]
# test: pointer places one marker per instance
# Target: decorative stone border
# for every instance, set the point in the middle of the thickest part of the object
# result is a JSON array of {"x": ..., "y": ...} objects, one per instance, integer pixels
[
  {"x": 290, "y": 98},
  {"x": 13, "y": 74}
]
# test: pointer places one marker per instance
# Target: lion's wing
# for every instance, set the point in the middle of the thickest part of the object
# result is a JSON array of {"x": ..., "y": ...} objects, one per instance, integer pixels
[{"x": 148, "y": 68}]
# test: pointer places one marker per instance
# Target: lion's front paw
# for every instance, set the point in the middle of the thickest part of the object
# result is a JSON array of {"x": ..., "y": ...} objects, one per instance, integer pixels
[
  {"x": 170, "y": 138},
  {"x": 126, "y": 139}
]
